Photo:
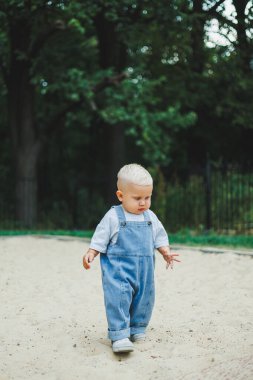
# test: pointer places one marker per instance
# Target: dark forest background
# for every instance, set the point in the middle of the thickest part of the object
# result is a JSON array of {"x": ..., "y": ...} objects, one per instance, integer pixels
[{"x": 88, "y": 86}]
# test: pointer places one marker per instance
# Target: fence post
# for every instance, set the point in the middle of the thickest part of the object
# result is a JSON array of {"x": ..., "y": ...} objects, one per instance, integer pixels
[{"x": 208, "y": 221}]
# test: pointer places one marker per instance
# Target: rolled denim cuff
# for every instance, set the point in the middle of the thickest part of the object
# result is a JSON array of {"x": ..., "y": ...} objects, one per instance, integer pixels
[
  {"x": 118, "y": 334},
  {"x": 137, "y": 330}
]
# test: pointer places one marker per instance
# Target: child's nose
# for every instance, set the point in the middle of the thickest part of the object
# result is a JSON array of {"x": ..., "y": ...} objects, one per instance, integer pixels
[{"x": 142, "y": 202}]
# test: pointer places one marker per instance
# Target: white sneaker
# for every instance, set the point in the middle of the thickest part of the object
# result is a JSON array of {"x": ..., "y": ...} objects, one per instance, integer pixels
[
  {"x": 122, "y": 345},
  {"x": 138, "y": 337}
]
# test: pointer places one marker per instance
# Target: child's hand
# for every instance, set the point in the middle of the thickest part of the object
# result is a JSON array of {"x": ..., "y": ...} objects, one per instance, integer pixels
[
  {"x": 168, "y": 257},
  {"x": 89, "y": 257}
]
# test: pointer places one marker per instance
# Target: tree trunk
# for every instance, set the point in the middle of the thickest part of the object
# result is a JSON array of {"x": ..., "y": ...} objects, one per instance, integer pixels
[
  {"x": 26, "y": 152},
  {"x": 197, "y": 37},
  {"x": 21, "y": 118},
  {"x": 245, "y": 52},
  {"x": 26, "y": 189},
  {"x": 196, "y": 81},
  {"x": 112, "y": 55},
  {"x": 116, "y": 158}
]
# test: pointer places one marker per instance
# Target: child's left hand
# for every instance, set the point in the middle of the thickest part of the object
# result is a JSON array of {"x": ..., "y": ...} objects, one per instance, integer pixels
[{"x": 168, "y": 257}]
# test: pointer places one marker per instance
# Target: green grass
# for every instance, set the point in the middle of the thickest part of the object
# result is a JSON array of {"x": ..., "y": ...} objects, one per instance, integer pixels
[
  {"x": 81, "y": 234},
  {"x": 214, "y": 240},
  {"x": 187, "y": 238}
]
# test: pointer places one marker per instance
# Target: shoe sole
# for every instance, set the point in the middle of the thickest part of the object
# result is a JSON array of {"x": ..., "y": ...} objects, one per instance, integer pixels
[
  {"x": 138, "y": 340},
  {"x": 123, "y": 349}
]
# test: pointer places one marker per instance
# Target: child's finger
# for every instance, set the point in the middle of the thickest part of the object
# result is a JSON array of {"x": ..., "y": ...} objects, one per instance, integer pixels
[
  {"x": 179, "y": 261},
  {"x": 86, "y": 263}
]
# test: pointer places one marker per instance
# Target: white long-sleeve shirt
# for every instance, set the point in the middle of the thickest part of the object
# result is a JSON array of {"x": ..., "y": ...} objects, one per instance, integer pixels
[{"x": 108, "y": 228}]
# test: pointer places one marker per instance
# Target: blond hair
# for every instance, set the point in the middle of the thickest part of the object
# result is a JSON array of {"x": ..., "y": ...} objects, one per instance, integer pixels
[{"x": 136, "y": 174}]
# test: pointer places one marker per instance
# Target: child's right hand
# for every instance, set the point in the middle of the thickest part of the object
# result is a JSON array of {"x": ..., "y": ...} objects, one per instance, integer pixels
[{"x": 89, "y": 257}]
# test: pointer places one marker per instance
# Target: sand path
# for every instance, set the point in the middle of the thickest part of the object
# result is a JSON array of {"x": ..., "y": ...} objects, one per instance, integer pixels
[{"x": 53, "y": 325}]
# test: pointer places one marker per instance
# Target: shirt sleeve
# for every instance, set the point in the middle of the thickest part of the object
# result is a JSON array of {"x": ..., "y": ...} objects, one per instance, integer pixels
[
  {"x": 160, "y": 235},
  {"x": 101, "y": 236}
]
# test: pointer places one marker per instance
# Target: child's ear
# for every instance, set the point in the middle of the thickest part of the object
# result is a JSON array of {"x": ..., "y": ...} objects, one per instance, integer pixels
[{"x": 119, "y": 195}]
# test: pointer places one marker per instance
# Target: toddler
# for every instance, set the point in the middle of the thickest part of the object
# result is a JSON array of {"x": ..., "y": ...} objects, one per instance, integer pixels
[{"x": 126, "y": 238}]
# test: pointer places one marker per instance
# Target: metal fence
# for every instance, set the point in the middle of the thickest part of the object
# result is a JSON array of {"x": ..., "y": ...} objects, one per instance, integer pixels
[
  {"x": 217, "y": 197},
  {"x": 214, "y": 197}
]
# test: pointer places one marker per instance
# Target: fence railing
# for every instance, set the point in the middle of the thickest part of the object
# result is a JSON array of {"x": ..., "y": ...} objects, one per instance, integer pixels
[
  {"x": 220, "y": 198},
  {"x": 216, "y": 197}
]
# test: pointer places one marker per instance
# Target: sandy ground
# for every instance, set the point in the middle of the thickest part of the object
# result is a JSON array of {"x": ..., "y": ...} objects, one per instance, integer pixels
[{"x": 53, "y": 325}]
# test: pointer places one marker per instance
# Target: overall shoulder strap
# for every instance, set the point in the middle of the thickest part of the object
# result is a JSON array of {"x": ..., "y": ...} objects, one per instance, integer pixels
[
  {"x": 120, "y": 213},
  {"x": 146, "y": 215}
]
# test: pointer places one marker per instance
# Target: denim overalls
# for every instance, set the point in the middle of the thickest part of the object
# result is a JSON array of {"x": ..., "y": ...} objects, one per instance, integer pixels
[{"x": 128, "y": 277}]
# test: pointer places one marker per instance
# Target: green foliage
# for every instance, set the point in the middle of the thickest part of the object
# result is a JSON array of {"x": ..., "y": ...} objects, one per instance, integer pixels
[
  {"x": 172, "y": 113},
  {"x": 136, "y": 104}
]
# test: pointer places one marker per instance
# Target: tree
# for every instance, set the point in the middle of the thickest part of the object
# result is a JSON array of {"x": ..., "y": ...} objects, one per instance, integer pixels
[
  {"x": 29, "y": 28},
  {"x": 23, "y": 43},
  {"x": 91, "y": 85}
]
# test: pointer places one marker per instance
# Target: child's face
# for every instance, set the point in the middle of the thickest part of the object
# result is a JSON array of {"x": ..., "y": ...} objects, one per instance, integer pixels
[{"x": 134, "y": 198}]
